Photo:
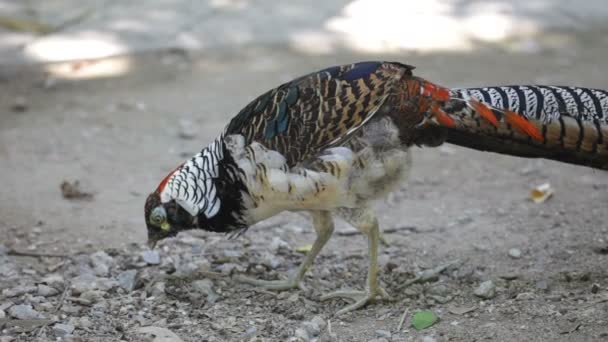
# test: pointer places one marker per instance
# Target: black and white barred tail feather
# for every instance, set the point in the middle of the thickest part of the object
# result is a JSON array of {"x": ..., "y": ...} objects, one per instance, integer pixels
[{"x": 573, "y": 122}]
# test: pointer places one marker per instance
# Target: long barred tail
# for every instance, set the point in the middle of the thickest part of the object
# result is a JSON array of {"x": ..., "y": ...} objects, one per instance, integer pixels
[{"x": 567, "y": 124}]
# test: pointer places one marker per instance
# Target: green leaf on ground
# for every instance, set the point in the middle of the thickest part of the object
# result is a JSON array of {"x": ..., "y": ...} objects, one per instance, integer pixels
[{"x": 424, "y": 319}]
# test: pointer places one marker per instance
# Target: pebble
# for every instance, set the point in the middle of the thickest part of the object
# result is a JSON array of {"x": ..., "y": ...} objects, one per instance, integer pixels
[
  {"x": 61, "y": 330},
  {"x": 126, "y": 280},
  {"x": 24, "y": 311},
  {"x": 205, "y": 286},
  {"x": 277, "y": 244},
  {"x": 88, "y": 282},
  {"x": 2, "y": 314},
  {"x": 18, "y": 291},
  {"x": 270, "y": 260},
  {"x": 525, "y": 296},
  {"x": 19, "y": 104},
  {"x": 486, "y": 290},
  {"x": 92, "y": 296},
  {"x": 54, "y": 280},
  {"x": 429, "y": 339},
  {"x": 515, "y": 253},
  {"x": 384, "y": 333},
  {"x": 542, "y": 285},
  {"x": 101, "y": 263},
  {"x": 151, "y": 257},
  {"x": 47, "y": 291}
]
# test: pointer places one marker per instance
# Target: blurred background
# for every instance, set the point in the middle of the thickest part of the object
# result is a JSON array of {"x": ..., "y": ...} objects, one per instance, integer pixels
[{"x": 113, "y": 94}]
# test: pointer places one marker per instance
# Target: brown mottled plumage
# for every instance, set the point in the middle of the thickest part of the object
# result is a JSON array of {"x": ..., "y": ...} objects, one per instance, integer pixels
[{"x": 332, "y": 141}]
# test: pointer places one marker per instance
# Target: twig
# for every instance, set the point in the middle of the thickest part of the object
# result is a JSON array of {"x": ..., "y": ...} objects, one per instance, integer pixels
[
  {"x": 80, "y": 301},
  {"x": 402, "y": 319},
  {"x": 59, "y": 305},
  {"x": 599, "y": 301},
  {"x": 427, "y": 275},
  {"x": 36, "y": 254}
]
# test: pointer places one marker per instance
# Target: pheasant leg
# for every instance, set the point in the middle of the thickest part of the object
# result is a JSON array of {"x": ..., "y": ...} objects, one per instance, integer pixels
[
  {"x": 361, "y": 298},
  {"x": 324, "y": 227}
]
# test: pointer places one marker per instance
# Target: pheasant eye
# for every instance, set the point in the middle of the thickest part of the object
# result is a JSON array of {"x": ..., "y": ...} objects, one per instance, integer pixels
[{"x": 157, "y": 216}]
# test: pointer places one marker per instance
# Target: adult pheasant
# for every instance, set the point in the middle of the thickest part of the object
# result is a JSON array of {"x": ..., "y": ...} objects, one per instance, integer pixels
[{"x": 334, "y": 140}]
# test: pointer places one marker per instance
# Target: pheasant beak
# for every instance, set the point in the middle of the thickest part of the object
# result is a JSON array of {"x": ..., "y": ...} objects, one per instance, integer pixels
[
  {"x": 152, "y": 243},
  {"x": 165, "y": 226}
]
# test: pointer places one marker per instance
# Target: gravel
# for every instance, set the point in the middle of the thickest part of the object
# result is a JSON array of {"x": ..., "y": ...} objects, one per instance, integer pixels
[
  {"x": 24, "y": 311},
  {"x": 151, "y": 257},
  {"x": 486, "y": 290},
  {"x": 62, "y": 330},
  {"x": 127, "y": 280},
  {"x": 515, "y": 253},
  {"x": 46, "y": 291}
]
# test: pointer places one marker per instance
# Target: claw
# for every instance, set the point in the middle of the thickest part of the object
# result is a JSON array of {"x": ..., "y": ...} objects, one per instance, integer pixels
[{"x": 360, "y": 298}]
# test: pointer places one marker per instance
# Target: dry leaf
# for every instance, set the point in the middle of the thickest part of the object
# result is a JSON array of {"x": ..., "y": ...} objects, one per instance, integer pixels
[
  {"x": 304, "y": 249},
  {"x": 541, "y": 193},
  {"x": 72, "y": 191}
]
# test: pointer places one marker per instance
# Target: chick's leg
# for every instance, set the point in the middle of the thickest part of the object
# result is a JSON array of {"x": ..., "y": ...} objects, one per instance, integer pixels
[
  {"x": 366, "y": 222},
  {"x": 324, "y": 227}
]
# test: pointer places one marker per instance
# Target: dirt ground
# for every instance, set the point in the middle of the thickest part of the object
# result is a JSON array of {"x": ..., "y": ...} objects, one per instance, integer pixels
[{"x": 118, "y": 135}]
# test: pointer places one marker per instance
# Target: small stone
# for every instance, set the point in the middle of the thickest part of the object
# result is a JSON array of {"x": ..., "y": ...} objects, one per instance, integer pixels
[
  {"x": 2, "y": 314},
  {"x": 24, "y": 311},
  {"x": 293, "y": 298},
  {"x": 84, "y": 322},
  {"x": 151, "y": 257},
  {"x": 18, "y": 291},
  {"x": 384, "y": 333},
  {"x": 509, "y": 276},
  {"x": 515, "y": 253},
  {"x": 92, "y": 296},
  {"x": 205, "y": 286},
  {"x": 595, "y": 288},
  {"x": 429, "y": 339},
  {"x": 271, "y": 261},
  {"x": 101, "y": 263},
  {"x": 158, "y": 289},
  {"x": 61, "y": 330},
  {"x": 542, "y": 285},
  {"x": 126, "y": 280},
  {"x": 19, "y": 104},
  {"x": 525, "y": 296},
  {"x": 88, "y": 282},
  {"x": 438, "y": 290},
  {"x": 3, "y": 249},
  {"x": 47, "y": 291},
  {"x": 277, "y": 245},
  {"x": 301, "y": 335},
  {"x": 54, "y": 280},
  {"x": 486, "y": 290}
]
